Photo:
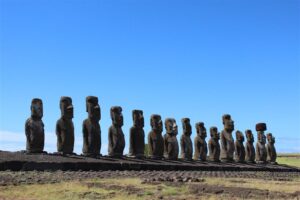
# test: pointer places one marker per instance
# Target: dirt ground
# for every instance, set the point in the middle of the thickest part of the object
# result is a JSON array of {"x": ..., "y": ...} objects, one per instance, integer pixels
[{"x": 149, "y": 185}]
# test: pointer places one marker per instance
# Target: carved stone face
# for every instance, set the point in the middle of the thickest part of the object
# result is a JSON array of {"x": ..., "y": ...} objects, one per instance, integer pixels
[
  {"x": 156, "y": 123},
  {"x": 171, "y": 126},
  {"x": 239, "y": 136},
  {"x": 214, "y": 133},
  {"x": 116, "y": 116},
  {"x": 93, "y": 108},
  {"x": 201, "y": 130},
  {"x": 66, "y": 107},
  {"x": 228, "y": 123},
  {"x": 186, "y": 125},
  {"x": 261, "y": 137},
  {"x": 36, "y": 108},
  {"x": 270, "y": 138},
  {"x": 138, "y": 118},
  {"x": 249, "y": 136}
]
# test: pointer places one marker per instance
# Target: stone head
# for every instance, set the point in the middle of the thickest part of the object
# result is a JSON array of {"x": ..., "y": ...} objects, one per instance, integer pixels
[
  {"x": 116, "y": 115},
  {"x": 261, "y": 138},
  {"x": 171, "y": 126},
  {"x": 66, "y": 107},
  {"x": 93, "y": 108},
  {"x": 228, "y": 123},
  {"x": 239, "y": 136},
  {"x": 270, "y": 138},
  {"x": 214, "y": 133},
  {"x": 201, "y": 130},
  {"x": 186, "y": 125},
  {"x": 36, "y": 108},
  {"x": 138, "y": 118},
  {"x": 156, "y": 123},
  {"x": 249, "y": 136}
]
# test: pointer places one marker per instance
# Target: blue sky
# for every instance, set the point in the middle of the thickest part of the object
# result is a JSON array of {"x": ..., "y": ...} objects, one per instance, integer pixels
[{"x": 197, "y": 59}]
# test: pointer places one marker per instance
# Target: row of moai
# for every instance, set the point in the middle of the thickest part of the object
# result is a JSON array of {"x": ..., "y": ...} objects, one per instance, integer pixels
[{"x": 160, "y": 147}]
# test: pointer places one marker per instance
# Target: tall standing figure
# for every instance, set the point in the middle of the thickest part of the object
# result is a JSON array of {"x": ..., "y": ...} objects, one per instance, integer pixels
[
  {"x": 171, "y": 147},
  {"x": 116, "y": 140},
  {"x": 65, "y": 127},
  {"x": 271, "y": 151},
  {"x": 200, "y": 143},
  {"x": 239, "y": 147},
  {"x": 91, "y": 128},
  {"x": 261, "y": 152},
  {"x": 227, "y": 141},
  {"x": 34, "y": 128},
  {"x": 213, "y": 145},
  {"x": 137, "y": 135},
  {"x": 250, "y": 150},
  {"x": 155, "y": 139},
  {"x": 185, "y": 140}
]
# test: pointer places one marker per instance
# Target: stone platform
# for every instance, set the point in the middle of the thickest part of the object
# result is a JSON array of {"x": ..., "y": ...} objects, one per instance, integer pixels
[{"x": 19, "y": 161}]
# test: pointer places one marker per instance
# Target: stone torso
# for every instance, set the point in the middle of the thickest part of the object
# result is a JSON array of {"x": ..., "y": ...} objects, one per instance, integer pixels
[
  {"x": 250, "y": 152},
  {"x": 261, "y": 153},
  {"x": 116, "y": 141},
  {"x": 156, "y": 144},
  {"x": 171, "y": 147},
  {"x": 34, "y": 130},
  {"x": 91, "y": 137},
  {"x": 271, "y": 153},
  {"x": 200, "y": 148},
  {"x": 239, "y": 151},
  {"x": 65, "y": 136},
  {"x": 137, "y": 142},
  {"x": 186, "y": 147},
  {"x": 227, "y": 145},
  {"x": 214, "y": 150}
]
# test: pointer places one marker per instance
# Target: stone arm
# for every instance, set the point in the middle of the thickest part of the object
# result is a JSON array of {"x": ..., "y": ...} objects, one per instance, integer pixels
[
  {"x": 132, "y": 140},
  {"x": 150, "y": 144},
  {"x": 113, "y": 144},
  {"x": 58, "y": 135},
  {"x": 28, "y": 131},
  {"x": 223, "y": 142},
  {"x": 182, "y": 146},
  {"x": 85, "y": 137},
  {"x": 166, "y": 145}
]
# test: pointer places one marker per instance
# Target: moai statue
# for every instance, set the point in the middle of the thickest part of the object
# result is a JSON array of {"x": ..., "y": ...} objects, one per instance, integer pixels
[
  {"x": 185, "y": 140},
  {"x": 250, "y": 151},
  {"x": 227, "y": 141},
  {"x": 65, "y": 127},
  {"x": 155, "y": 139},
  {"x": 116, "y": 138},
  {"x": 271, "y": 151},
  {"x": 91, "y": 128},
  {"x": 137, "y": 135},
  {"x": 261, "y": 152},
  {"x": 171, "y": 147},
  {"x": 239, "y": 147},
  {"x": 34, "y": 128},
  {"x": 200, "y": 143},
  {"x": 213, "y": 145}
]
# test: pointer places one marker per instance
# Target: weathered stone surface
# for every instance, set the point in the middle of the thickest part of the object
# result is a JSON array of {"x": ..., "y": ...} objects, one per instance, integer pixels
[
  {"x": 200, "y": 144},
  {"x": 250, "y": 150},
  {"x": 261, "y": 152},
  {"x": 116, "y": 140},
  {"x": 227, "y": 141},
  {"x": 271, "y": 151},
  {"x": 155, "y": 139},
  {"x": 213, "y": 145},
  {"x": 91, "y": 128},
  {"x": 171, "y": 147},
  {"x": 65, "y": 127},
  {"x": 185, "y": 140},
  {"x": 137, "y": 135},
  {"x": 34, "y": 128},
  {"x": 239, "y": 147}
]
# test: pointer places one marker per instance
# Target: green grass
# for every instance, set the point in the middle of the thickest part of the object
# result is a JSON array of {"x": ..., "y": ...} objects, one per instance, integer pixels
[{"x": 289, "y": 160}]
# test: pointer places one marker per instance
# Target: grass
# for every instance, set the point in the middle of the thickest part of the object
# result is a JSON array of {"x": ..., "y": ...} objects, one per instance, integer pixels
[{"x": 289, "y": 159}]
